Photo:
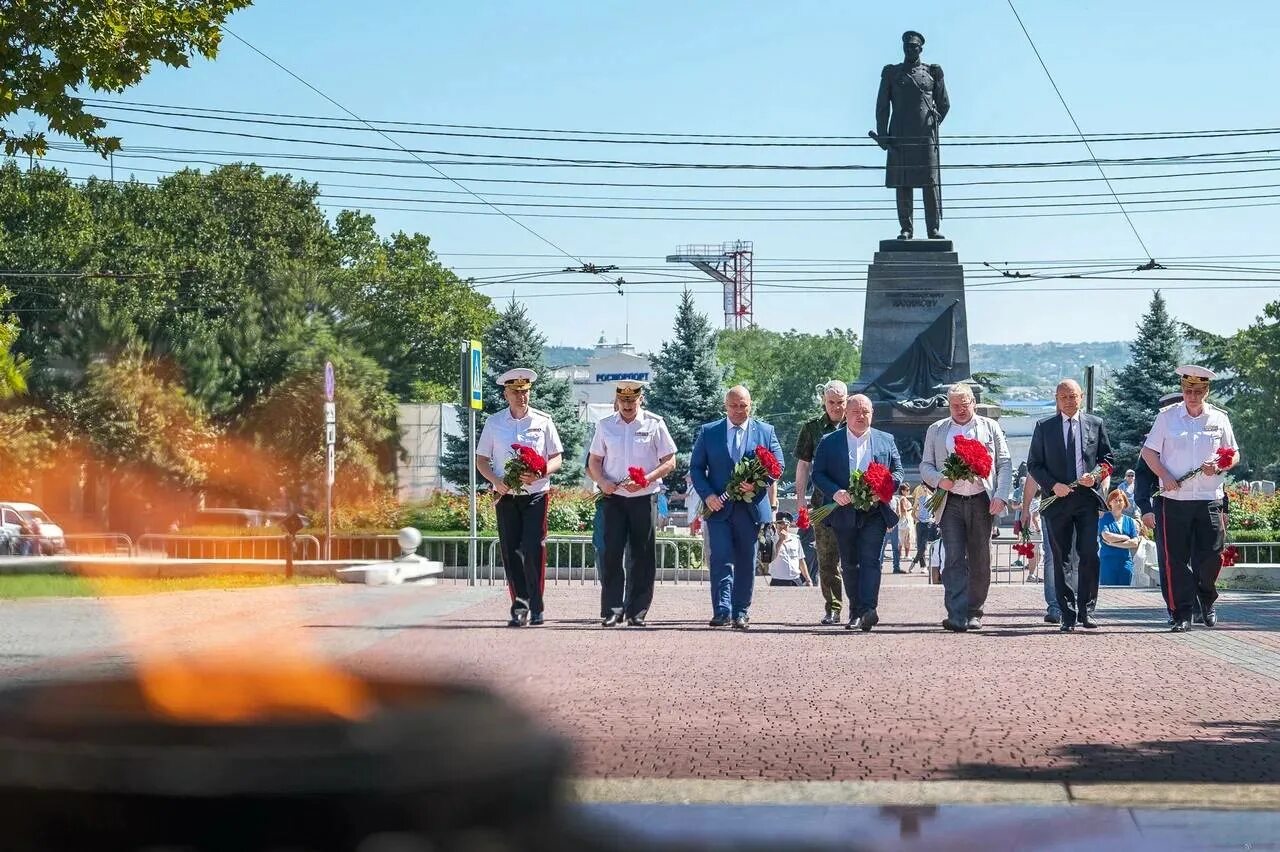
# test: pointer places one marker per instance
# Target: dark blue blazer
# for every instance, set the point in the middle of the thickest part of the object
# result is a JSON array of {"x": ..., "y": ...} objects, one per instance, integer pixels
[
  {"x": 710, "y": 465},
  {"x": 831, "y": 473}
]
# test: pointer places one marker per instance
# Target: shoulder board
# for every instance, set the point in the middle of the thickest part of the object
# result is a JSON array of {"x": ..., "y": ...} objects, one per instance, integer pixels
[
  {"x": 888, "y": 69},
  {"x": 539, "y": 412},
  {"x": 936, "y": 71}
]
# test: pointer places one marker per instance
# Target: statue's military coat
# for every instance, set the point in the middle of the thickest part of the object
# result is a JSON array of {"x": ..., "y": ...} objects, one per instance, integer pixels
[{"x": 919, "y": 102}]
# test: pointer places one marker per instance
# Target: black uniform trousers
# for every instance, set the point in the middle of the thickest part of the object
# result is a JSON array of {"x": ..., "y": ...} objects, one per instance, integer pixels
[
  {"x": 522, "y": 533},
  {"x": 1189, "y": 535},
  {"x": 628, "y": 521},
  {"x": 1073, "y": 523}
]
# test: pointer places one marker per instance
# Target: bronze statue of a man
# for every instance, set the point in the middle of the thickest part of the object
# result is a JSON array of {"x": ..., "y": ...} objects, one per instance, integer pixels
[{"x": 909, "y": 110}]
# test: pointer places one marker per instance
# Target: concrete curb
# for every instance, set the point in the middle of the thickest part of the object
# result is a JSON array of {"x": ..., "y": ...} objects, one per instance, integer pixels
[{"x": 724, "y": 792}]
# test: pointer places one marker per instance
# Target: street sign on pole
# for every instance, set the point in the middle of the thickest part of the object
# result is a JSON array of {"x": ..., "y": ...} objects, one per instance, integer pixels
[
  {"x": 473, "y": 401},
  {"x": 328, "y": 381},
  {"x": 331, "y": 412},
  {"x": 330, "y": 438},
  {"x": 330, "y": 433},
  {"x": 331, "y": 471}
]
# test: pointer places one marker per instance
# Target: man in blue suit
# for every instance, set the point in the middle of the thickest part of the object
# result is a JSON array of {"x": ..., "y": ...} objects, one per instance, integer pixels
[
  {"x": 734, "y": 525},
  {"x": 859, "y": 534}
]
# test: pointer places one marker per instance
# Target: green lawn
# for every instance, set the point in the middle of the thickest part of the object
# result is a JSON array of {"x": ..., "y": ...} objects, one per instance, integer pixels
[{"x": 61, "y": 585}]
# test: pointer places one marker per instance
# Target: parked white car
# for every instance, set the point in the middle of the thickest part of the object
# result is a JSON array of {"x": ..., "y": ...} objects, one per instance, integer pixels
[{"x": 50, "y": 535}]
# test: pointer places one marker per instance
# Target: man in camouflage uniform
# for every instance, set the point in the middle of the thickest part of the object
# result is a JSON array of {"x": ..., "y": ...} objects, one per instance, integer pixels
[{"x": 834, "y": 397}]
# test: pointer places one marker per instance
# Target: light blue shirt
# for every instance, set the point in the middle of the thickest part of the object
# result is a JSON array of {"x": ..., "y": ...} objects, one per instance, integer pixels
[{"x": 741, "y": 438}]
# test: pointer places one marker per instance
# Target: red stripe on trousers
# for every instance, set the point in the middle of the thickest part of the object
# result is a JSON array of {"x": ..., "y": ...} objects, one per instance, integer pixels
[{"x": 1166, "y": 566}]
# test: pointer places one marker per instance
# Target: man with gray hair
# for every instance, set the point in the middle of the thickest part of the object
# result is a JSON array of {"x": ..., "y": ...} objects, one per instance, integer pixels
[
  {"x": 970, "y": 507},
  {"x": 834, "y": 396}
]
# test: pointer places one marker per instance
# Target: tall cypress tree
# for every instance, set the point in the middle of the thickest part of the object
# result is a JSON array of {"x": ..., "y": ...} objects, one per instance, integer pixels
[
  {"x": 687, "y": 387},
  {"x": 1133, "y": 396},
  {"x": 514, "y": 341}
]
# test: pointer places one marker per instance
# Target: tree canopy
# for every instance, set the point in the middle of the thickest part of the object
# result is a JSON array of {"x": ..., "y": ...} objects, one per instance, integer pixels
[{"x": 52, "y": 49}]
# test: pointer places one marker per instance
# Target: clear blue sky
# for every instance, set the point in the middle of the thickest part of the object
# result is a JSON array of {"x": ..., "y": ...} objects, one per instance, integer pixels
[{"x": 797, "y": 68}]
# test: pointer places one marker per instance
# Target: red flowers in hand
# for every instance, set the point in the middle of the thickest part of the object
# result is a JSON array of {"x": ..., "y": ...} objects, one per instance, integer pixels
[
  {"x": 881, "y": 482},
  {"x": 802, "y": 518},
  {"x": 636, "y": 475},
  {"x": 974, "y": 455},
  {"x": 526, "y": 460},
  {"x": 531, "y": 459},
  {"x": 1225, "y": 457},
  {"x": 1229, "y": 556},
  {"x": 769, "y": 462}
]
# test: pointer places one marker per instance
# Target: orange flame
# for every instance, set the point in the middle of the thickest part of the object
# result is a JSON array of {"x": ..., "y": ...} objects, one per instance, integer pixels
[{"x": 230, "y": 690}]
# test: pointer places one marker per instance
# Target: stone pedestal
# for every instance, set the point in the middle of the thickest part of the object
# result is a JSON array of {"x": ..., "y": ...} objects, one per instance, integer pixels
[{"x": 911, "y": 286}]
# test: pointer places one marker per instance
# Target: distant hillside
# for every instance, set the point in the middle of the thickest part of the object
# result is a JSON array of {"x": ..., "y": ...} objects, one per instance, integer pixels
[
  {"x": 1043, "y": 364},
  {"x": 564, "y": 356}
]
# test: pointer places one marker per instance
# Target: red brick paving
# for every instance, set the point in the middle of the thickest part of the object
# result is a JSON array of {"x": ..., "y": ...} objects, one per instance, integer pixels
[{"x": 793, "y": 700}]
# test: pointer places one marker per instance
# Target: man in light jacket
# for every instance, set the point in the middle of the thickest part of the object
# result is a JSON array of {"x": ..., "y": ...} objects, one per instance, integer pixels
[{"x": 970, "y": 509}]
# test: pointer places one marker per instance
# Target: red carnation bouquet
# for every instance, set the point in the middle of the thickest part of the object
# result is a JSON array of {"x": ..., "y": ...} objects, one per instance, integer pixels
[
  {"x": 1229, "y": 556},
  {"x": 634, "y": 474},
  {"x": 526, "y": 460},
  {"x": 1222, "y": 459},
  {"x": 1099, "y": 473},
  {"x": 803, "y": 521},
  {"x": 1024, "y": 546},
  {"x": 865, "y": 490},
  {"x": 969, "y": 461},
  {"x": 759, "y": 469}
]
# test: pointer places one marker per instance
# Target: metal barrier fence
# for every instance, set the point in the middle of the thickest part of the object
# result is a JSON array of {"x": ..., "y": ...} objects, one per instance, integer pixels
[
  {"x": 364, "y": 546},
  {"x": 74, "y": 544},
  {"x": 226, "y": 547},
  {"x": 1006, "y": 566},
  {"x": 571, "y": 558},
  {"x": 1257, "y": 552}
]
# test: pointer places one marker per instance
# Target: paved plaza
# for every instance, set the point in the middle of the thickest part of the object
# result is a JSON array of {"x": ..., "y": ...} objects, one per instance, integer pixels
[{"x": 788, "y": 700}]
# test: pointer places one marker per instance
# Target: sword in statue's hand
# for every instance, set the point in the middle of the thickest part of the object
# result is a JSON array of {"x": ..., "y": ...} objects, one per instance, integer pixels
[{"x": 886, "y": 142}]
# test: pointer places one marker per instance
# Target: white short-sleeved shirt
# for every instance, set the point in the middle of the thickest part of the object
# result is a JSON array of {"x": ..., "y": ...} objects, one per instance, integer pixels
[
  {"x": 964, "y": 487},
  {"x": 641, "y": 443},
  {"x": 1185, "y": 442},
  {"x": 534, "y": 430},
  {"x": 786, "y": 562},
  {"x": 859, "y": 450}
]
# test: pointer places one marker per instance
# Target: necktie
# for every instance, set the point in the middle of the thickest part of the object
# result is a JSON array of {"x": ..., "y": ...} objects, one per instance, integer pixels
[
  {"x": 1071, "y": 446},
  {"x": 737, "y": 444}
]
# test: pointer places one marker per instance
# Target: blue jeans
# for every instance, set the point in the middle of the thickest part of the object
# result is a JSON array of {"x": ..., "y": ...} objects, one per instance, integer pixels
[
  {"x": 895, "y": 544},
  {"x": 733, "y": 533}
]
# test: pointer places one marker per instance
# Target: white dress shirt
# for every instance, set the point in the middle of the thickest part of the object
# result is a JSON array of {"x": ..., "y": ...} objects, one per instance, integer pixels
[
  {"x": 964, "y": 487},
  {"x": 786, "y": 563},
  {"x": 1069, "y": 424},
  {"x": 534, "y": 430},
  {"x": 859, "y": 450},
  {"x": 641, "y": 443},
  {"x": 1185, "y": 442}
]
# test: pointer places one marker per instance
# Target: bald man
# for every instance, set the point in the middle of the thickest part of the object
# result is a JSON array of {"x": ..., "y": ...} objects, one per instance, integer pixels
[{"x": 733, "y": 527}]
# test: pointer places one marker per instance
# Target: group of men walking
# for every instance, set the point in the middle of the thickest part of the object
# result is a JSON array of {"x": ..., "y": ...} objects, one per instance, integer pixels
[{"x": 633, "y": 450}]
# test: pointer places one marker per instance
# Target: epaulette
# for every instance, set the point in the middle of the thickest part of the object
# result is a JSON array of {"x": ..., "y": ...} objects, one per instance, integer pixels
[
  {"x": 888, "y": 69},
  {"x": 936, "y": 71}
]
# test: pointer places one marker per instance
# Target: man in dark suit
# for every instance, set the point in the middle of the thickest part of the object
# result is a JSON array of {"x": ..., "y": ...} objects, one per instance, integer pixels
[
  {"x": 1065, "y": 448},
  {"x": 859, "y": 534},
  {"x": 733, "y": 527}
]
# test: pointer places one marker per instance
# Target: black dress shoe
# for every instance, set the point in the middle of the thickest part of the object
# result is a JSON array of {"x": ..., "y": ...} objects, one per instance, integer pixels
[
  {"x": 719, "y": 621},
  {"x": 1067, "y": 628},
  {"x": 948, "y": 624},
  {"x": 869, "y": 620},
  {"x": 830, "y": 618},
  {"x": 636, "y": 620},
  {"x": 1197, "y": 618},
  {"x": 1180, "y": 627},
  {"x": 1172, "y": 621},
  {"x": 613, "y": 619},
  {"x": 519, "y": 618},
  {"x": 855, "y": 623},
  {"x": 536, "y": 620},
  {"x": 1210, "y": 617},
  {"x": 1087, "y": 622},
  {"x": 1052, "y": 618},
  {"x": 974, "y": 622},
  {"x": 741, "y": 623}
]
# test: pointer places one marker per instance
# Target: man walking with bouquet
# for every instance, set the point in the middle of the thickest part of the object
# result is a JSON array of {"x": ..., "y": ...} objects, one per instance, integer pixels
[
  {"x": 966, "y": 458},
  {"x": 734, "y": 461},
  {"x": 1190, "y": 447},
  {"x": 630, "y": 454},
  {"x": 1071, "y": 458},
  {"x": 861, "y": 469},
  {"x": 521, "y": 442}
]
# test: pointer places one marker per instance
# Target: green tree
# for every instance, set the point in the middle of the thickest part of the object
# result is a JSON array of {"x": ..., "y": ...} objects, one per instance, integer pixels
[
  {"x": 1248, "y": 365},
  {"x": 783, "y": 369},
  {"x": 514, "y": 341},
  {"x": 688, "y": 385},
  {"x": 28, "y": 446},
  {"x": 52, "y": 49},
  {"x": 1132, "y": 398},
  {"x": 13, "y": 368}
]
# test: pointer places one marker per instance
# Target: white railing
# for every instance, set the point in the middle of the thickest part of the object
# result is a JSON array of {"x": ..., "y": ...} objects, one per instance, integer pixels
[{"x": 226, "y": 547}]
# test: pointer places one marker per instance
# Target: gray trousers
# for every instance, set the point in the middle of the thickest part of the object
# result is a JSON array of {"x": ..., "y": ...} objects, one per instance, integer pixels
[{"x": 966, "y": 541}]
